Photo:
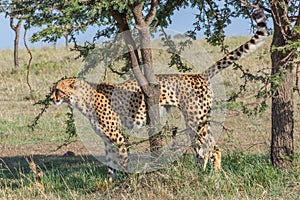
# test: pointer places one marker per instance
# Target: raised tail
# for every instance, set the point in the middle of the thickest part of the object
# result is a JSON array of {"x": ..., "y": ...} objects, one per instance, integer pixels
[{"x": 256, "y": 41}]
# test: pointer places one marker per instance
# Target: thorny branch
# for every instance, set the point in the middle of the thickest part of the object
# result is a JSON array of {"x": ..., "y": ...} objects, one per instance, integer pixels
[
  {"x": 224, "y": 48},
  {"x": 256, "y": 5},
  {"x": 70, "y": 130},
  {"x": 264, "y": 91},
  {"x": 74, "y": 28},
  {"x": 46, "y": 104},
  {"x": 175, "y": 52},
  {"x": 11, "y": 23}
]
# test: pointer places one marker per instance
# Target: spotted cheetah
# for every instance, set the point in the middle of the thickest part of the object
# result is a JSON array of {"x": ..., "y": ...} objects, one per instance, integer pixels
[{"x": 106, "y": 105}]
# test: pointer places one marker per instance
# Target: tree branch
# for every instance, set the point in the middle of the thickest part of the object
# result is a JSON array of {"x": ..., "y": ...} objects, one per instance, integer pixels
[
  {"x": 28, "y": 64},
  {"x": 11, "y": 23},
  {"x": 68, "y": 26},
  {"x": 297, "y": 78},
  {"x": 152, "y": 12},
  {"x": 137, "y": 10},
  {"x": 11, "y": 20},
  {"x": 121, "y": 20},
  {"x": 298, "y": 18},
  {"x": 143, "y": 27},
  {"x": 167, "y": 9},
  {"x": 259, "y": 5},
  {"x": 248, "y": 4},
  {"x": 280, "y": 16},
  {"x": 123, "y": 26}
]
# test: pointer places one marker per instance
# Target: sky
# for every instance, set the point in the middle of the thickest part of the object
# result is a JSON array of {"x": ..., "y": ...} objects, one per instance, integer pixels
[{"x": 182, "y": 21}]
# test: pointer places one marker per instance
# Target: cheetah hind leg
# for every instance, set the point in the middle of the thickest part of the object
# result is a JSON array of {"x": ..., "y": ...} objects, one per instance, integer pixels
[
  {"x": 216, "y": 158},
  {"x": 111, "y": 162},
  {"x": 124, "y": 156},
  {"x": 210, "y": 150},
  {"x": 204, "y": 153},
  {"x": 201, "y": 156}
]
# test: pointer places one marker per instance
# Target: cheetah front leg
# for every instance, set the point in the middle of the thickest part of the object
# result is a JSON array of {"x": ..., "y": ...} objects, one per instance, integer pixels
[
  {"x": 124, "y": 156},
  {"x": 111, "y": 162},
  {"x": 116, "y": 158}
]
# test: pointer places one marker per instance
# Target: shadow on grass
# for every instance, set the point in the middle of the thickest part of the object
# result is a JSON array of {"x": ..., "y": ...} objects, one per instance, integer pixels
[
  {"x": 12, "y": 167},
  {"x": 243, "y": 176}
]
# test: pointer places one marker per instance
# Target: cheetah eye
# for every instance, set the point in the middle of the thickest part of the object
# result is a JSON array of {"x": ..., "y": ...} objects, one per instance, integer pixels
[
  {"x": 56, "y": 92},
  {"x": 59, "y": 92}
]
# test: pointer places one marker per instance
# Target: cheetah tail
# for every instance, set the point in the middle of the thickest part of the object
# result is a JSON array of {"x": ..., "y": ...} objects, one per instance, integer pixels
[{"x": 256, "y": 41}]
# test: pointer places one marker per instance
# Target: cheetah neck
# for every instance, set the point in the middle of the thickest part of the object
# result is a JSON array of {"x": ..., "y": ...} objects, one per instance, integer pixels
[{"x": 84, "y": 98}]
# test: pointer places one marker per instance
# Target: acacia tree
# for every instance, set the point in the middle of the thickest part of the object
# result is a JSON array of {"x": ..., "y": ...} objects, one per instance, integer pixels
[
  {"x": 16, "y": 28},
  {"x": 9, "y": 11},
  {"x": 146, "y": 81}
]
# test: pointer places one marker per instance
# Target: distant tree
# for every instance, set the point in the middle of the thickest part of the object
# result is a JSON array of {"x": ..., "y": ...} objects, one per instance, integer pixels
[
  {"x": 16, "y": 28},
  {"x": 178, "y": 36},
  {"x": 66, "y": 36},
  {"x": 9, "y": 11}
]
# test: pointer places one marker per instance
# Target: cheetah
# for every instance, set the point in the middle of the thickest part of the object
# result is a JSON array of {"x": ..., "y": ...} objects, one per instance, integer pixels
[{"x": 107, "y": 105}]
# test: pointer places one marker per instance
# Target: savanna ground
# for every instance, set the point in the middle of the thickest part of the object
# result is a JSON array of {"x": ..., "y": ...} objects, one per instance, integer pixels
[{"x": 31, "y": 166}]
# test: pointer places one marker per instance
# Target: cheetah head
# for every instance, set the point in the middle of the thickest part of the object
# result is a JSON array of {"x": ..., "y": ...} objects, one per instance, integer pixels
[{"x": 63, "y": 91}]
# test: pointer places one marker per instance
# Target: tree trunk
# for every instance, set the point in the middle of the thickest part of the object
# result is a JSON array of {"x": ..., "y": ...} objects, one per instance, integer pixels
[
  {"x": 16, "y": 29},
  {"x": 66, "y": 35},
  {"x": 146, "y": 81},
  {"x": 282, "y": 147},
  {"x": 152, "y": 94}
]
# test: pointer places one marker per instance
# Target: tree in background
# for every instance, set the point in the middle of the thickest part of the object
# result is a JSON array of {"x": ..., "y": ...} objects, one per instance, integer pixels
[
  {"x": 16, "y": 28},
  {"x": 213, "y": 17},
  {"x": 10, "y": 11}
]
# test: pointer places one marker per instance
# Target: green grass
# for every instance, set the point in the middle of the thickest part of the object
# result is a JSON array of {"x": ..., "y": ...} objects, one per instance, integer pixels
[
  {"x": 246, "y": 173},
  {"x": 243, "y": 176},
  {"x": 55, "y": 175}
]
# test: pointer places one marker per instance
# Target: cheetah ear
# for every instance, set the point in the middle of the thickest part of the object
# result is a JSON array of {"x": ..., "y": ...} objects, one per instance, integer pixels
[
  {"x": 75, "y": 83},
  {"x": 72, "y": 85}
]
